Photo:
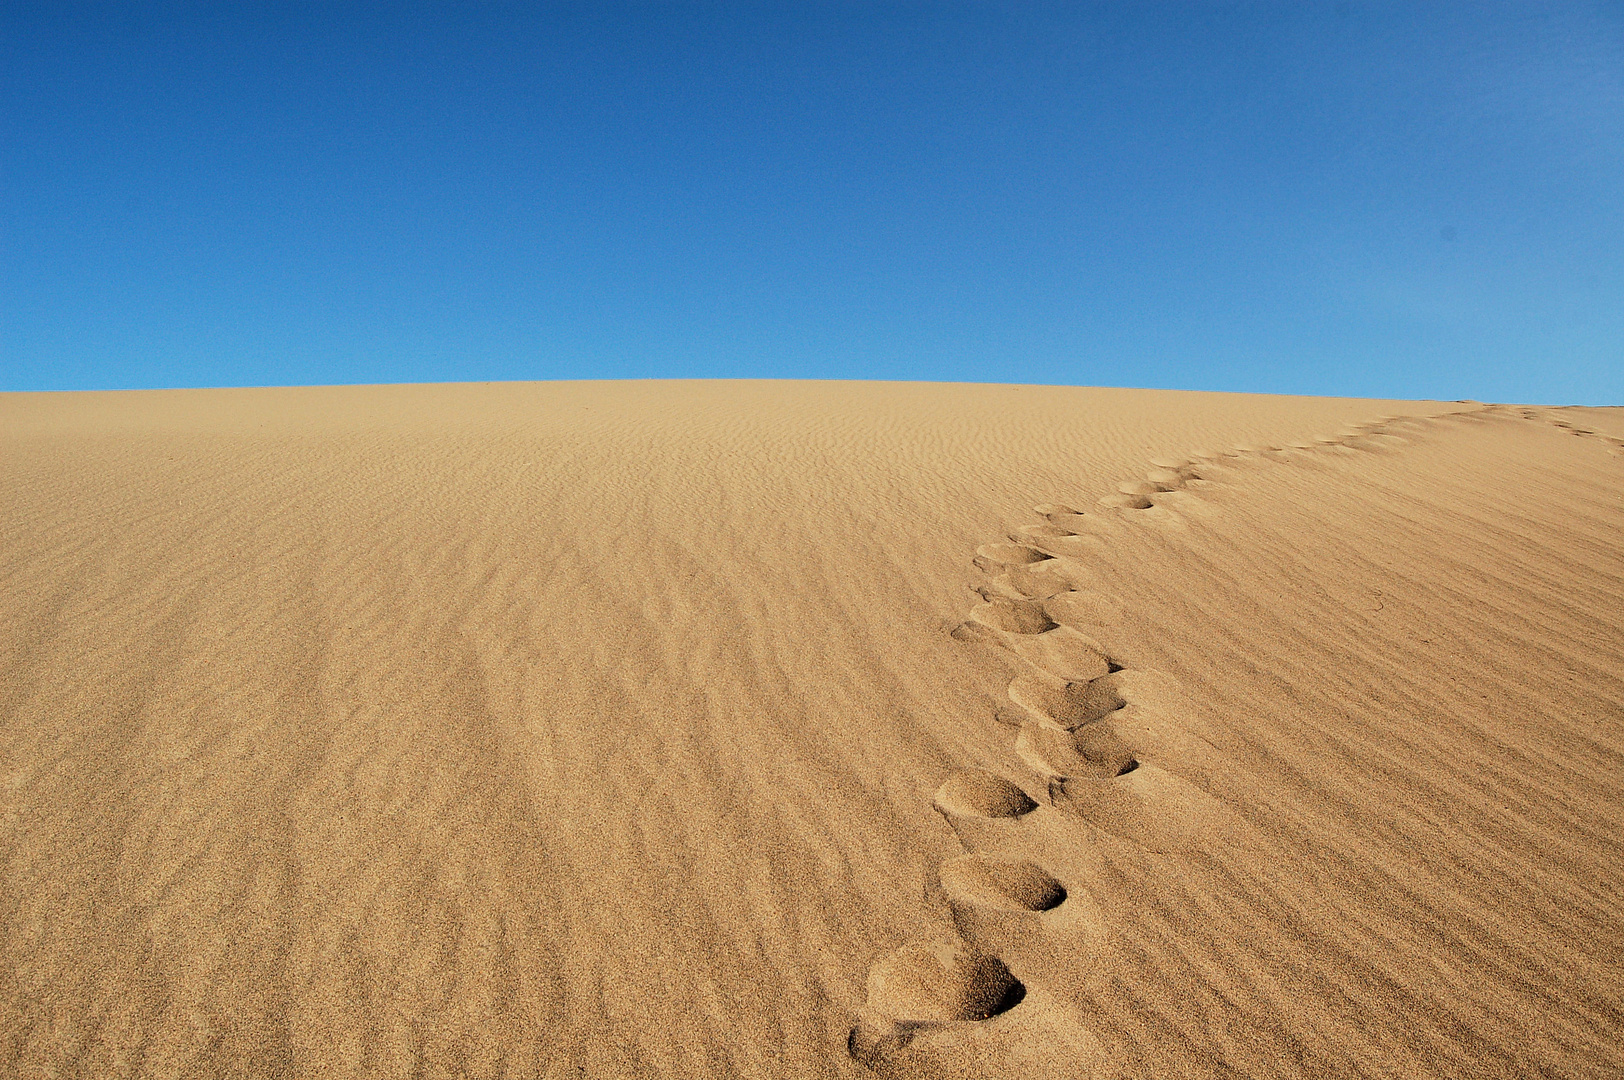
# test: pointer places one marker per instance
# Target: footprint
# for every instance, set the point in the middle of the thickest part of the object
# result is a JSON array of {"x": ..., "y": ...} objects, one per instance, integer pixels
[
  {"x": 922, "y": 988},
  {"x": 1051, "y": 577},
  {"x": 1094, "y": 751},
  {"x": 1013, "y": 586},
  {"x": 1000, "y": 883},
  {"x": 1068, "y": 704},
  {"x": 1041, "y": 919},
  {"x": 1166, "y": 479},
  {"x": 1024, "y": 617},
  {"x": 1126, "y": 501},
  {"x": 1001, "y": 555},
  {"x": 1083, "y": 541},
  {"x": 978, "y": 793},
  {"x": 1023, "y": 628},
  {"x": 1044, "y": 1039},
  {"x": 938, "y": 982}
]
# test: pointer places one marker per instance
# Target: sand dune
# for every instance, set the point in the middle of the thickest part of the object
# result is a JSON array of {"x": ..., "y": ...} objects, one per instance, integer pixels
[{"x": 763, "y": 729}]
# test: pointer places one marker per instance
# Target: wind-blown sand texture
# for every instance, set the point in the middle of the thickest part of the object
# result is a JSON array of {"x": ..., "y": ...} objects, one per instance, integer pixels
[{"x": 657, "y": 729}]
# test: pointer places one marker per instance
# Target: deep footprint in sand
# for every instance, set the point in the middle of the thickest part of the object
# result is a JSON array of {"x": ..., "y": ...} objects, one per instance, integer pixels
[
  {"x": 1025, "y": 628},
  {"x": 938, "y": 982},
  {"x": 1095, "y": 751},
  {"x": 924, "y": 988},
  {"x": 1044, "y": 1038},
  {"x": 959, "y": 1009},
  {"x": 1024, "y": 617},
  {"x": 995, "y": 558},
  {"x": 1068, "y": 703},
  {"x": 1036, "y": 581},
  {"x": 1064, "y": 517},
  {"x": 1005, "y": 884},
  {"x": 980, "y": 793},
  {"x": 952, "y": 1008},
  {"x": 1126, "y": 501}
]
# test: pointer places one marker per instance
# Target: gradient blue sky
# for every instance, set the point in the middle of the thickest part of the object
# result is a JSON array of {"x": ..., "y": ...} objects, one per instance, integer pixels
[{"x": 1405, "y": 200}]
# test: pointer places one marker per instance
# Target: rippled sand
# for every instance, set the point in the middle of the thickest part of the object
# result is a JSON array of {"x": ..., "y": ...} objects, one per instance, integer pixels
[{"x": 766, "y": 729}]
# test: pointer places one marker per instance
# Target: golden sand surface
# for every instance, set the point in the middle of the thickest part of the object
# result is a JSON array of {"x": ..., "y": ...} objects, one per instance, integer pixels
[{"x": 765, "y": 729}]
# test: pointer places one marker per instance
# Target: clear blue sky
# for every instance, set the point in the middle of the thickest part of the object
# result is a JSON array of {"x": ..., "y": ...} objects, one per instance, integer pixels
[{"x": 1407, "y": 199}]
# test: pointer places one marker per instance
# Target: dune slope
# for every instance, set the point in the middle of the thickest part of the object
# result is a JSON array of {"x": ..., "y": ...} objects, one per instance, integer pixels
[
  {"x": 598, "y": 729},
  {"x": 1349, "y": 803}
]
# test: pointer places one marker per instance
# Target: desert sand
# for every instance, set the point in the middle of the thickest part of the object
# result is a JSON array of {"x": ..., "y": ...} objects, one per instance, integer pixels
[{"x": 712, "y": 729}]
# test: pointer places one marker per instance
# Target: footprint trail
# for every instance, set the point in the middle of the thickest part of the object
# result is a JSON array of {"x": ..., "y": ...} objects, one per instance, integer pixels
[{"x": 1122, "y": 781}]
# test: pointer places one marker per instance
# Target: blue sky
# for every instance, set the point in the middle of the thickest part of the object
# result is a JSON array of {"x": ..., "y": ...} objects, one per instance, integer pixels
[{"x": 1406, "y": 200}]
